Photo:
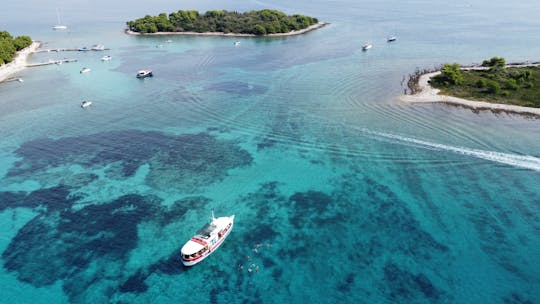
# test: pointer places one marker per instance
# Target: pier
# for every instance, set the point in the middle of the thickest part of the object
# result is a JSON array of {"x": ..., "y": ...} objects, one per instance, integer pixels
[
  {"x": 51, "y": 62},
  {"x": 70, "y": 50},
  {"x": 11, "y": 79}
]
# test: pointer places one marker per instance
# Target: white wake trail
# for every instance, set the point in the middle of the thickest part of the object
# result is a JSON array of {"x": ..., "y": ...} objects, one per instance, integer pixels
[{"x": 522, "y": 161}]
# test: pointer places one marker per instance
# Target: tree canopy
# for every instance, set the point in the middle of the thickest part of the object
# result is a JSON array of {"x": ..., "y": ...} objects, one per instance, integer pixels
[
  {"x": 261, "y": 22},
  {"x": 9, "y": 46},
  {"x": 450, "y": 75}
]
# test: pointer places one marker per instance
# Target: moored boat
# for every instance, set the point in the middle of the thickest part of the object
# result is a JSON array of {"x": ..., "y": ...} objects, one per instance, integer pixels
[
  {"x": 86, "y": 104},
  {"x": 85, "y": 70},
  {"x": 207, "y": 240},
  {"x": 237, "y": 43},
  {"x": 106, "y": 58},
  {"x": 98, "y": 47},
  {"x": 367, "y": 46},
  {"x": 144, "y": 73},
  {"x": 391, "y": 38},
  {"x": 59, "y": 25}
]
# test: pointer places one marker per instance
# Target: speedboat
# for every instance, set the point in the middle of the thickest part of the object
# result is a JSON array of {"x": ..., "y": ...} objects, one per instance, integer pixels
[
  {"x": 237, "y": 43},
  {"x": 144, "y": 73},
  {"x": 106, "y": 58},
  {"x": 367, "y": 46},
  {"x": 98, "y": 47},
  {"x": 85, "y": 70},
  {"x": 207, "y": 240},
  {"x": 391, "y": 38},
  {"x": 86, "y": 104}
]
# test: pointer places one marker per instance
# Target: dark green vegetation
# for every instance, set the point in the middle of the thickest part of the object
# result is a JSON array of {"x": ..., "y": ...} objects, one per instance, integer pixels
[
  {"x": 494, "y": 83},
  {"x": 261, "y": 22},
  {"x": 9, "y": 46}
]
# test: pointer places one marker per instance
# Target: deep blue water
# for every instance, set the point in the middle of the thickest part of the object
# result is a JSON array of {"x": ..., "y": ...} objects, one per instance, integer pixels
[{"x": 341, "y": 192}]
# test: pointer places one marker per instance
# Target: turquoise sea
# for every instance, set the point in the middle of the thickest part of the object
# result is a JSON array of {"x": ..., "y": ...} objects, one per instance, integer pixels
[{"x": 341, "y": 192}]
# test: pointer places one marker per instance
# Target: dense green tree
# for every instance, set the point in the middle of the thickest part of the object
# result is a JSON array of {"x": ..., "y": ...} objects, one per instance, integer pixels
[
  {"x": 7, "y": 50},
  {"x": 450, "y": 75},
  {"x": 494, "y": 62},
  {"x": 493, "y": 87},
  {"x": 253, "y": 22},
  {"x": 21, "y": 42},
  {"x": 9, "y": 46}
]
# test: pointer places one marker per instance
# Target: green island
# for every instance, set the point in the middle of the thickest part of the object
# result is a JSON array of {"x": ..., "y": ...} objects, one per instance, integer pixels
[
  {"x": 9, "y": 46},
  {"x": 259, "y": 23},
  {"x": 494, "y": 82}
]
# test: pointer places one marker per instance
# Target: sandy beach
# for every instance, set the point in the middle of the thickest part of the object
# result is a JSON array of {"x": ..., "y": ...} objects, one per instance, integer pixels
[
  {"x": 428, "y": 94},
  {"x": 292, "y": 33},
  {"x": 18, "y": 63}
]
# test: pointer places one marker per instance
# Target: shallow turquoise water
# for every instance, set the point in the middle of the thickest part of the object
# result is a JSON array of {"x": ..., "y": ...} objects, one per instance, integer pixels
[{"x": 341, "y": 192}]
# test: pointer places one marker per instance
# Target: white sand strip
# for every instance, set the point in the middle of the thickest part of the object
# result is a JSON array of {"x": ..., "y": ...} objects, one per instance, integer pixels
[{"x": 19, "y": 62}]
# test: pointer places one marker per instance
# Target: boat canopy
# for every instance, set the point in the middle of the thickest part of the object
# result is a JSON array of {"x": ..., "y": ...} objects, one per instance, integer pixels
[
  {"x": 206, "y": 231},
  {"x": 191, "y": 247}
]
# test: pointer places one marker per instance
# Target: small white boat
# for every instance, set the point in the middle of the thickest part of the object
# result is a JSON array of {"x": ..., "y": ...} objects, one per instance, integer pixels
[
  {"x": 86, "y": 104},
  {"x": 168, "y": 41},
  {"x": 391, "y": 38},
  {"x": 207, "y": 240},
  {"x": 84, "y": 49},
  {"x": 106, "y": 58},
  {"x": 237, "y": 43},
  {"x": 144, "y": 73},
  {"x": 98, "y": 47},
  {"x": 367, "y": 46},
  {"x": 85, "y": 70}
]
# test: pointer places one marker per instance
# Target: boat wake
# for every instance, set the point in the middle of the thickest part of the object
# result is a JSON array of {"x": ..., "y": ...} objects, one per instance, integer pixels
[{"x": 522, "y": 161}]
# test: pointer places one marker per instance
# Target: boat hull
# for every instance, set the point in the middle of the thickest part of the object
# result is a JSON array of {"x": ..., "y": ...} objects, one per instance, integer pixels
[{"x": 211, "y": 250}]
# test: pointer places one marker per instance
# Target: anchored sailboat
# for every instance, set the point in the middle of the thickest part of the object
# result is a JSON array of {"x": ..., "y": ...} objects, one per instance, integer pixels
[{"x": 59, "y": 25}]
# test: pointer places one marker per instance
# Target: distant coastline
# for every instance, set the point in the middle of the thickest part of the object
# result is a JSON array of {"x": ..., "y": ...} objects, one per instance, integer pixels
[
  {"x": 19, "y": 62},
  {"x": 291, "y": 33},
  {"x": 427, "y": 94}
]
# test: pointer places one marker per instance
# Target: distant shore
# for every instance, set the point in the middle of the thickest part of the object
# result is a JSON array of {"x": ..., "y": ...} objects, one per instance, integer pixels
[
  {"x": 291, "y": 33},
  {"x": 19, "y": 62},
  {"x": 428, "y": 94}
]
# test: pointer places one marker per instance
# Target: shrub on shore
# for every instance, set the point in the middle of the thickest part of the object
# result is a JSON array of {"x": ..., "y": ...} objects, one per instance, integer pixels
[{"x": 496, "y": 83}]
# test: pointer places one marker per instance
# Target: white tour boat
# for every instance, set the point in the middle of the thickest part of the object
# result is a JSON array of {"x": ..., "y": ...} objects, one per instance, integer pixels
[
  {"x": 207, "y": 240},
  {"x": 106, "y": 58},
  {"x": 85, "y": 70},
  {"x": 367, "y": 46},
  {"x": 144, "y": 73},
  {"x": 86, "y": 104}
]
